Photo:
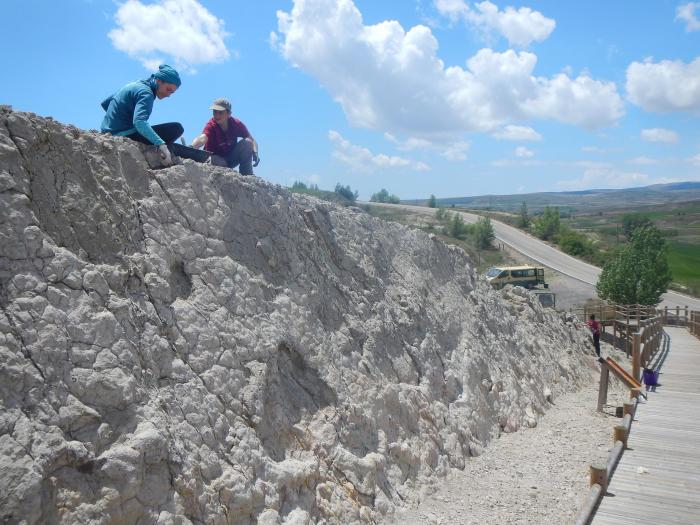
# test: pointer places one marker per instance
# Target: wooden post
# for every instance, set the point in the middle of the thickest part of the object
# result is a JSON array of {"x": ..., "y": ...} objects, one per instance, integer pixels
[
  {"x": 628, "y": 408},
  {"x": 620, "y": 434},
  {"x": 666, "y": 314},
  {"x": 634, "y": 393},
  {"x": 636, "y": 340},
  {"x": 603, "y": 388},
  {"x": 686, "y": 315},
  {"x": 599, "y": 475}
]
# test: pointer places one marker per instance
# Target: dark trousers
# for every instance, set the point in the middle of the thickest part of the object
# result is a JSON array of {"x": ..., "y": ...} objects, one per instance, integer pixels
[
  {"x": 169, "y": 132},
  {"x": 596, "y": 343}
]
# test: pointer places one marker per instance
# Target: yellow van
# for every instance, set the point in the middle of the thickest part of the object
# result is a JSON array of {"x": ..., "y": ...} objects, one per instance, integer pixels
[{"x": 527, "y": 276}]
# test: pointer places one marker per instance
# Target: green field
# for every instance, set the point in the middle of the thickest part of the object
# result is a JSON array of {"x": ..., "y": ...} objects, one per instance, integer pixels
[{"x": 684, "y": 260}]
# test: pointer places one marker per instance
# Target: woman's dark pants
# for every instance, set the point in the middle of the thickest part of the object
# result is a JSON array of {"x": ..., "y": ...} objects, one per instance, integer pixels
[{"x": 169, "y": 132}]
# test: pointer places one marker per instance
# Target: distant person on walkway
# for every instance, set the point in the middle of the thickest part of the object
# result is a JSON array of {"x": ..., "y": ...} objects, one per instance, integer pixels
[
  {"x": 128, "y": 110},
  {"x": 594, "y": 326},
  {"x": 220, "y": 136}
]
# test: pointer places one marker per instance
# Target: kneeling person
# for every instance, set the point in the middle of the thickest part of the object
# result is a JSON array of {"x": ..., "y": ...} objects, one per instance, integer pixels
[
  {"x": 128, "y": 110},
  {"x": 220, "y": 136}
]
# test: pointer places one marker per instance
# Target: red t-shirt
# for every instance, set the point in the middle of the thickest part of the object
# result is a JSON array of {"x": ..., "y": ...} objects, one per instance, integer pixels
[
  {"x": 594, "y": 326},
  {"x": 222, "y": 142}
]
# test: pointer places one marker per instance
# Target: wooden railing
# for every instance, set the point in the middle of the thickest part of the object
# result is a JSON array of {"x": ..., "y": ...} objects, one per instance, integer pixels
[
  {"x": 694, "y": 323},
  {"x": 645, "y": 343},
  {"x": 626, "y": 320},
  {"x": 600, "y": 474},
  {"x": 678, "y": 316},
  {"x": 621, "y": 312}
]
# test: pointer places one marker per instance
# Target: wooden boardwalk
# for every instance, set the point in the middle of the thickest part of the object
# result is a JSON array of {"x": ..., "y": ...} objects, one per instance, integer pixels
[{"x": 657, "y": 481}]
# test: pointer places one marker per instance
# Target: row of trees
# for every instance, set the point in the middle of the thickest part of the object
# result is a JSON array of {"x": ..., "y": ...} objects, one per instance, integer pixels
[
  {"x": 384, "y": 196},
  {"x": 548, "y": 227},
  {"x": 454, "y": 226},
  {"x": 343, "y": 194}
]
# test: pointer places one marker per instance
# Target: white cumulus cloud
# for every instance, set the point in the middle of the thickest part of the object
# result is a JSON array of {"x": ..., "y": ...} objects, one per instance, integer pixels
[
  {"x": 669, "y": 85},
  {"x": 453, "y": 9},
  {"x": 390, "y": 79},
  {"x": 686, "y": 13},
  {"x": 520, "y": 27},
  {"x": 659, "y": 135},
  {"x": 362, "y": 159},
  {"x": 181, "y": 30},
  {"x": 512, "y": 132}
]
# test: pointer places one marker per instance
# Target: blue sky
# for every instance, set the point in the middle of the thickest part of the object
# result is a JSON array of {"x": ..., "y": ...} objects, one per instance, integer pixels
[{"x": 447, "y": 97}]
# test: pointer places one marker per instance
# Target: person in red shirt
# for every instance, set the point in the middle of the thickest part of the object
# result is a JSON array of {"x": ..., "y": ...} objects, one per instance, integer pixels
[
  {"x": 220, "y": 136},
  {"x": 594, "y": 326}
]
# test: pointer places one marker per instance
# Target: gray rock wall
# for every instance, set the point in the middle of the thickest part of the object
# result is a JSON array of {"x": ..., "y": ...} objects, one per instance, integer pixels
[{"x": 192, "y": 346}]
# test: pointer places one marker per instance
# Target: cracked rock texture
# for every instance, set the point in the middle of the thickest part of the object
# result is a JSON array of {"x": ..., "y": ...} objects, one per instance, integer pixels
[{"x": 192, "y": 346}]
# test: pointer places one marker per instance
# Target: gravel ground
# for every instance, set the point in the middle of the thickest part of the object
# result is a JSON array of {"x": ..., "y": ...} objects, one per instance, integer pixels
[{"x": 537, "y": 475}]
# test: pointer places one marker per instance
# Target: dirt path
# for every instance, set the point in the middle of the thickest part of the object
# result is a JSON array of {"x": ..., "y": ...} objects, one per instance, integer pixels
[{"x": 537, "y": 475}]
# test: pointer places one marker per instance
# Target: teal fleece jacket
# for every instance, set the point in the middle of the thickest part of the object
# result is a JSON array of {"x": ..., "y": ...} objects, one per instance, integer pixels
[{"x": 128, "y": 110}]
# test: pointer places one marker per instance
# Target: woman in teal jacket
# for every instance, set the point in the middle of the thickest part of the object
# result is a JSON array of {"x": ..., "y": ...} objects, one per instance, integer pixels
[{"x": 128, "y": 110}]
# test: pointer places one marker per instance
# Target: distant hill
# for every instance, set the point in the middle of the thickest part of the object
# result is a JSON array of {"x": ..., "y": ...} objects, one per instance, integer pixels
[{"x": 572, "y": 200}]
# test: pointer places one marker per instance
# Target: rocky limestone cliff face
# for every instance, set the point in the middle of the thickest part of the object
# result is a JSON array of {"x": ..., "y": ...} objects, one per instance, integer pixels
[{"x": 193, "y": 346}]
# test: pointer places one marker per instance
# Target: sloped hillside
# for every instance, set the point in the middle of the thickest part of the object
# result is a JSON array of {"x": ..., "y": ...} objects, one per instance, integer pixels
[{"x": 193, "y": 346}]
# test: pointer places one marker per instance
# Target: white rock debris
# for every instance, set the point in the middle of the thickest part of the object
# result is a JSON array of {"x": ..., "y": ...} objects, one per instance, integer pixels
[{"x": 189, "y": 345}]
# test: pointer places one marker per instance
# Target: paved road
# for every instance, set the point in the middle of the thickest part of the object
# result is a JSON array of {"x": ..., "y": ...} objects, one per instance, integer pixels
[{"x": 546, "y": 255}]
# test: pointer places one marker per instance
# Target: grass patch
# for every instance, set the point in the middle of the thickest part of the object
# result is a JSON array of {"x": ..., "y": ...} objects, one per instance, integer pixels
[{"x": 684, "y": 261}]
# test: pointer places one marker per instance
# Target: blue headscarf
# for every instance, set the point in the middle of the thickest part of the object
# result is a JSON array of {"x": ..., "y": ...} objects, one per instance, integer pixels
[{"x": 168, "y": 74}]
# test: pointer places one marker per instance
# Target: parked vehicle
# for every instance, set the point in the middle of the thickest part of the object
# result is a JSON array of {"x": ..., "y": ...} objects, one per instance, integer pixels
[
  {"x": 546, "y": 299},
  {"x": 526, "y": 276}
]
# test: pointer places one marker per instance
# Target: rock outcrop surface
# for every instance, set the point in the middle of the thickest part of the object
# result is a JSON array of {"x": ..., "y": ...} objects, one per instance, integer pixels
[{"x": 189, "y": 345}]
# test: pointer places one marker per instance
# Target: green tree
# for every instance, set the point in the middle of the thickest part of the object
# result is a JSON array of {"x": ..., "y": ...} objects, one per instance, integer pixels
[
  {"x": 440, "y": 214},
  {"x": 457, "y": 228},
  {"x": 384, "y": 196},
  {"x": 547, "y": 226},
  {"x": 524, "y": 219},
  {"x": 483, "y": 233},
  {"x": 632, "y": 221},
  {"x": 346, "y": 191},
  {"x": 639, "y": 272},
  {"x": 432, "y": 202},
  {"x": 574, "y": 243}
]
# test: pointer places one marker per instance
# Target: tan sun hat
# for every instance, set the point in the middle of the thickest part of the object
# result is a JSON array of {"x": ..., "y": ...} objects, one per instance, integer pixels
[{"x": 221, "y": 104}]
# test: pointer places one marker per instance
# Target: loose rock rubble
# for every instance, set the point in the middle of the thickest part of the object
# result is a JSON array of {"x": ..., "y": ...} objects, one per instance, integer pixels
[{"x": 189, "y": 345}]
